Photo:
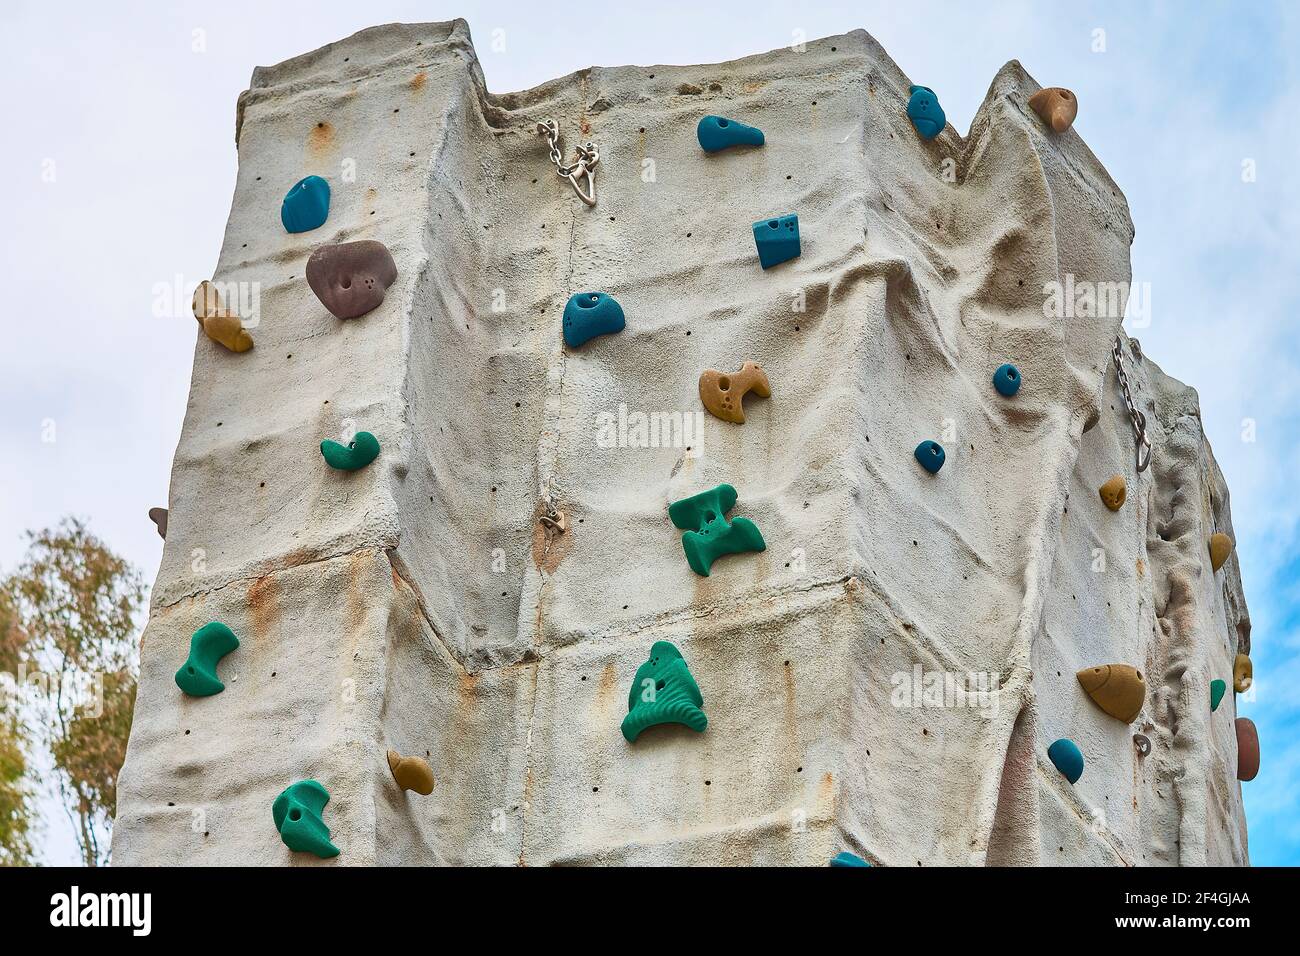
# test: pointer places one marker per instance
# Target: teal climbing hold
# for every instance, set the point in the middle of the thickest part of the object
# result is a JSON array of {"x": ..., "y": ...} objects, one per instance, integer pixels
[
  {"x": 931, "y": 455},
  {"x": 589, "y": 314},
  {"x": 718, "y": 132},
  {"x": 709, "y": 535},
  {"x": 1217, "y": 689},
  {"x": 1067, "y": 757},
  {"x": 1007, "y": 380},
  {"x": 777, "y": 240},
  {"x": 924, "y": 111},
  {"x": 361, "y": 451},
  {"x": 845, "y": 858},
  {"x": 663, "y": 692},
  {"x": 198, "y": 675},
  {"x": 297, "y": 814},
  {"x": 306, "y": 206}
]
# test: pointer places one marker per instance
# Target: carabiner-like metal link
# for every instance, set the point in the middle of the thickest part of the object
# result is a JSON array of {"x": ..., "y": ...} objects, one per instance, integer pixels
[
  {"x": 583, "y": 165},
  {"x": 1142, "y": 443}
]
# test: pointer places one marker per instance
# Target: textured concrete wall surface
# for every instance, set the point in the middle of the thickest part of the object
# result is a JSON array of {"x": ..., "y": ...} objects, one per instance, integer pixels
[{"x": 420, "y": 605}]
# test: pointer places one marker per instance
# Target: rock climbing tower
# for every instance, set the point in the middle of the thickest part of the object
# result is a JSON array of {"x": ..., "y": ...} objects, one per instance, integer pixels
[{"x": 401, "y": 546}]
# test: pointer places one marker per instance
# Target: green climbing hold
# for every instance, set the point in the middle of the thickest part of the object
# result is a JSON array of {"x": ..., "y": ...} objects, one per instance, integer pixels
[
  {"x": 845, "y": 858},
  {"x": 198, "y": 675},
  {"x": 663, "y": 692},
  {"x": 709, "y": 534},
  {"x": 1217, "y": 689},
  {"x": 297, "y": 815},
  {"x": 361, "y": 451}
]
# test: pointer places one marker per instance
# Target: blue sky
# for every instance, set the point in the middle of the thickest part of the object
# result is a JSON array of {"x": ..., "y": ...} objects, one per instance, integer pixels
[{"x": 137, "y": 127}]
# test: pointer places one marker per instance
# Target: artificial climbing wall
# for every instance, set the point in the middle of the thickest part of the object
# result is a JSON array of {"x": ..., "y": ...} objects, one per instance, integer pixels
[{"x": 420, "y": 605}]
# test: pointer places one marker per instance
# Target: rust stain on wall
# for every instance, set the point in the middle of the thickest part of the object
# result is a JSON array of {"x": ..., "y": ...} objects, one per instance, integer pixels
[
  {"x": 321, "y": 138},
  {"x": 606, "y": 689},
  {"x": 550, "y": 546},
  {"x": 263, "y": 605}
]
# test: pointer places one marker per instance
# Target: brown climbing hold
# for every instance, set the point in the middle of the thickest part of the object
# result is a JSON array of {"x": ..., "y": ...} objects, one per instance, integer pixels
[
  {"x": 723, "y": 395},
  {"x": 1243, "y": 674},
  {"x": 1114, "y": 492},
  {"x": 411, "y": 773},
  {"x": 350, "y": 278},
  {"x": 1220, "y": 547},
  {"x": 1247, "y": 749},
  {"x": 1118, "y": 689},
  {"x": 1055, "y": 106},
  {"x": 217, "y": 322},
  {"x": 159, "y": 517}
]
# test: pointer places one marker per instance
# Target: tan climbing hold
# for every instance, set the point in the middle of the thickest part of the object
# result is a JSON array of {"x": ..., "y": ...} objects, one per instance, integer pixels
[
  {"x": 219, "y": 323},
  {"x": 1055, "y": 106},
  {"x": 1243, "y": 674},
  {"x": 723, "y": 395},
  {"x": 1114, "y": 492},
  {"x": 411, "y": 773},
  {"x": 1118, "y": 689},
  {"x": 1220, "y": 547}
]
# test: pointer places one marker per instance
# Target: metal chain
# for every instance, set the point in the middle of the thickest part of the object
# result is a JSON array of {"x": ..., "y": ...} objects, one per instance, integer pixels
[
  {"x": 1141, "y": 441},
  {"x": 582, "y": 167}
]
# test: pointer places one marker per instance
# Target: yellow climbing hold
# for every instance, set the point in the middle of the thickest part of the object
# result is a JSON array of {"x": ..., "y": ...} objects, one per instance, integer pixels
[
  {"x": 1220, "y": 547},
  {"x": 1243, "y": 674},
  {"x": 411, "y": 773},
  {"x": 1113, "y": 492},
  {"x": 1118, "y": 689},
  {"x": 219, "y": 323}
]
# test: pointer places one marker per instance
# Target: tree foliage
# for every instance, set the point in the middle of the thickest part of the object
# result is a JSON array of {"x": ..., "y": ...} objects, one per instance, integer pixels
[
  {"x": 15, "y": 797},
  {"x": 67, "y": 626}
]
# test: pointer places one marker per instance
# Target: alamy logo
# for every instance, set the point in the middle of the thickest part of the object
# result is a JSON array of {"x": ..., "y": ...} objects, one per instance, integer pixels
[
  {"x": 175, "y": 299},
  {"x": 653, "y": 430},
  {"x": 976, "y": 690},
  {"x": 1102, "y": 300},
  {"x": 103, "y": 909}
]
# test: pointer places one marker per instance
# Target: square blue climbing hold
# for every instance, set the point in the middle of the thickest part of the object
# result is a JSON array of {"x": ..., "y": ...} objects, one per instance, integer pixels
[{"x": 777, "y": 240}]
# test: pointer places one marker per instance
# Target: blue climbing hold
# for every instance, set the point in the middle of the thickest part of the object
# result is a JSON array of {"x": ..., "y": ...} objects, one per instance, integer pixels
[
  {"x": 1007, "y": 380},
  {"x": 926, "y": 114},
  {"x": 589, "y": 314},
  {"x": 306, "y": 206},
  {"x": 845, "y": 858},
  {"x": 718, "y": 132},
  {"x": 777, "y": 240},
  {"x": 1067, "y": 758},
  {"x": 931, "y": 455}
]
